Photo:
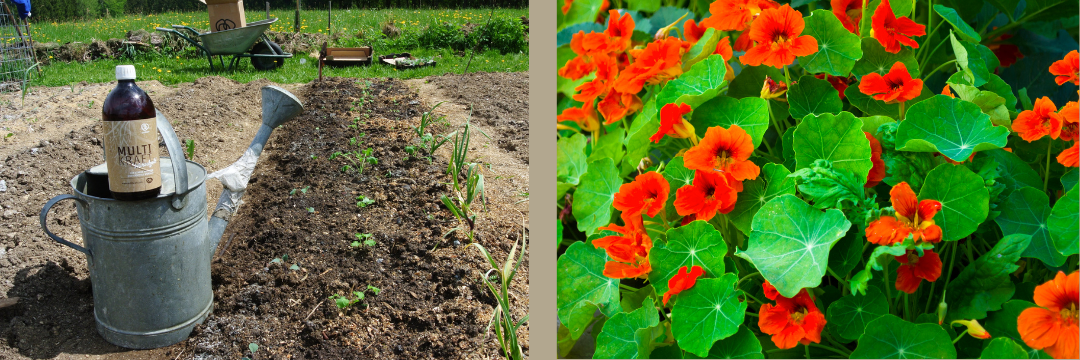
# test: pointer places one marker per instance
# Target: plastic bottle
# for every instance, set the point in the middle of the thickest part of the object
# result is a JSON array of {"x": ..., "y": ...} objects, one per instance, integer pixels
[{"x": 131, "y": 145}]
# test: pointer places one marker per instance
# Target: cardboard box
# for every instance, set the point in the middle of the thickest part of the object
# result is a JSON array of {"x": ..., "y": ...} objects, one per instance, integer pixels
[{"x": 226, "y": 14}]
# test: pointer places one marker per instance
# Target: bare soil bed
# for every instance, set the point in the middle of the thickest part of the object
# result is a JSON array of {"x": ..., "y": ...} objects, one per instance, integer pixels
[{"x": 431, "y": 303}]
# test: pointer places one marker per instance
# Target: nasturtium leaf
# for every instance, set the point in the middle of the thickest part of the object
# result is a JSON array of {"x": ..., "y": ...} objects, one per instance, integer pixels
[
  {"x": 1069, "y": 180},
  {"x": 629, "y": 335},
  {"x": 1002, "y": 323},
  {"x": 998, "y": 86},
  {"x": 876, "y": 60},
  {"x": 567, "y": 34},
  {"x": 643, "y": 5},
  {"x": 582, "y": 287},
  {"x": 950, "y": 15},
  {"x": 772, "y": 182},
  {"x": 558, "y": 235},
  {"x": 953, "y": 127},
  {"x": 750, "y": 113},
  {"x": 889, "y": 337},
  {"x": 790, "y": 243},
  {"x": 869, "y": 105},
  {"x": 570, "y": 156},
  {"x": 610, "y": 146},
  {"x": 813, "y": 96},
  {"x": 742, "y": 345},
  {"x": 593, "y": 198},
  {"x": 1026, "y": 213},
  {"x": 1003, "y": 348},
  {"x": 848, "y": 316},
  {"x": 695, "y": 86},
  {"x": 838, "y": 48},
  {"x": 561, "y": 188},
  {"x": 677, "y": 176},
  {"x": 847, "y": 252},
  {"x": 707, "y": 312},
  {"x": 989, "y": 103},
  {"x": 581, "y": 11},
  {"x": 564, "y": 342},
  {"x": 632, "y": 300},
  {"x": 703, "y": 48},
  {"x": 637, "y": 138},
  {"x": 1015, "y": 173},
  {"x": 696, "y": 243},
  {"x": 837, "y": 138},
  {"x": 984, "y": 285},
  {"x": 965, "y": 202},
  {"x": 1064, "y": 221},
  {"x": 787, "y": 140},
  {"x": 872, "y": 123},
  {"x": 1007, "y": 7},
  {"x": 971, "y": 61}
]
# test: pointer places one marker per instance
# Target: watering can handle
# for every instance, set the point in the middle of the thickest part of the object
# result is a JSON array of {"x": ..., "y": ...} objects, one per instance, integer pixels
[
  {"x": 179, "y": 164},
  {"x": 45, "y": 226}
]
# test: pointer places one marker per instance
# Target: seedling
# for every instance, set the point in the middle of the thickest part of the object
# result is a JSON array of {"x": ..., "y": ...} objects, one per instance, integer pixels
[
  {"x": 189, "y": 149},
  {"x": 374, "y": 290},
  {"x": 427, "y": 119},
  {"x": 364, "y": 201},
  {"x": 302, "y": 191},
  {"x": 10, "y": 134},
  {"x": 311, "y": 210},
  {"x": 498, "y": 280},
  {"x": 253, "y": 347},
  {"x": 364, "y": 239},
  {"x": 344, "y": 302}
]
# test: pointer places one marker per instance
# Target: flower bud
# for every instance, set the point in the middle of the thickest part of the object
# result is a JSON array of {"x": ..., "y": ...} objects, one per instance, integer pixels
[
  {"x": 773, "y": 89},
  {"x": 973, "y": 328},
  {"x": 942, "y": 307}
]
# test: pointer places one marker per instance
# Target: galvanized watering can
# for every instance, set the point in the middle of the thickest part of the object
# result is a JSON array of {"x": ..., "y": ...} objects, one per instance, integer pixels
[{"x": 149, "y": 260}]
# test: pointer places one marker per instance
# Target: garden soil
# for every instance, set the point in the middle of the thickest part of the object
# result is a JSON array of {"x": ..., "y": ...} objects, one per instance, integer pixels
[{"x": 431, "y": 302}]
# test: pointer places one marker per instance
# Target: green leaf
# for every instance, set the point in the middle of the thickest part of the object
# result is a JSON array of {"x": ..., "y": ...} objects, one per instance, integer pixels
[
  {"x": 950, "y": 15},
  {"x": 813, "y": 96},
  {"x": 610, "y": 146},
  {"x": 701, "y": 83},
  {"x": 1003, "y": 348},
  {"x": 1002, "y": 323},
  {"x": 869, "y": 105},
  {"x": 1027, "y": 214},
  {"x": 790, "y": 243},
  {"x": 953, "y": 127},
  {"x": 570, "y": 157},
  {"x": 837, "y": 138},
  {"x": 703, "y": 48},
  {"x": 772, "y": 182},
  {"x": 872, "y": 123},
  {"x": 742, "y": 345},
  {"x": 644, "y": 126},
  {"x": 1007, "y": 7},
  {"x": 847, "y": 317},
  {"x": 643, "y": 5},
  {"x": 989, "y": 103},
  {"x": 876, "y": 60},
  {"x": 750, "y": 113},
  {"x": 633, "y": 300},
  {"x": 789, "y": 151},
  {"x": 889, "y": 337},
  {"x": 580, "y": 11},
  {"x": 984, "y": 285},
  {"x": 838, "y": 49},
  {"x": 564, "y": 341},
  {"x": 629, "y": 336},
  {"x": 1069, "y": 179},
  {"x": 1015, "y": 173},
  {"x": 677, "y": 176},
  {"x": 696, "y": 243},
  {"x": 965, "y": 202},
  {"x": 558, "y": 235},
  {"x": 593, "y": 199},
  {"x": 848, "y": 252},
  {"x": 582, "y": 287},
  {"x": 998, "y": 86},
  {"x": 707, "y": 312},
  {"x": 1064, "y": 221},
  {"x": 971, "y": 61}
]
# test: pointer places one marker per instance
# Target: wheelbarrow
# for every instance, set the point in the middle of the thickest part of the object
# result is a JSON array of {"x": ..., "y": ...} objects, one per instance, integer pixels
[{"x": 248, "y": 41}]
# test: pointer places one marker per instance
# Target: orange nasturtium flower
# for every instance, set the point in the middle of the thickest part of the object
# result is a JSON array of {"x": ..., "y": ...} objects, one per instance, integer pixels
[
  {"x": 1052, "y": 326},
  {"x": 791, "y": 321},
  {"x": 1070, "y": 114},
  {"x": 672, "y": 123},
  {"x": 619, "y": 30},
  {"x": 736, "y": 15},
  {"x": 973, "y": 328},
  {"x": 710, "y": 192},
  {"x": 914, "y": 269},
  {"x": 849, "y": 12},
  {"x": 606, "y": 72},
  {"x": 892, "y": 32},
  {"x": 629, "y": 250},
  {"x": 724, "y": 150},
  {"x": 778, "y": 41},
  {"x": 1070, "y": 157},
  {"x": 586, "y": 46},
  {"x": 896, "y": 86},
  {"x": 1041, "y": 121},
  {"x": 585, "y": 117},
  {"x": 647, "y": 194},
  {"x": 947, "y": 92},
  {"x": 1067, "y": 69},
  {"x": 773, "y": 89},
  {"x": 913, "y": 217},
  {"x": 877, "y": 173},
  {"x": 658, "y": 62},
  {"x": 682, "y": 281},
  {"x": 615, "y": 106}
]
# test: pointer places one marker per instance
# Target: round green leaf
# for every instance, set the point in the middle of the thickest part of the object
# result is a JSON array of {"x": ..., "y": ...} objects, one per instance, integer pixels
[
  {"x": 707, "y": 312},
  {"x": 984, "y": 285},
  {"x": 1026, "y": 214},
  {"x": 950, "y": 15},
  {"x": 696, "y": 243},
  {"x": 742, "y": 345},
  {"x": 813, "y": 96},
  {"x": 750, "y": 113},
  {"x": 610, "y": 146},
  {"x": 1069, "y": 179},
  {"x": 1015, "y": 173},
  {"x": 1064, "y": 221},
  {"x": 570, "y": 157},
  {"x": 772, "y": 182},
  {"x": 790, "y": 243},
  {"x": 953, "y": 127},
  {"x": 593, "y": 198},
  {"x": 965, "y": 202},
  {"x": 1003, "y": 348},
  {"x": 644, "y": 126},
  {"x": 848, "y": 252},
  {"x": 876, "y": 60},
  {"x": 582, "y": 287},
  {"x": 581, "y": 11},
  {"x": 629, "y": 335},
  {"x": 889, "y": 337},
  {"x": 848, "y": 316},
  {"x": 701, "y": 83},
  {"x": 838, "y": 49},
  {"x": 837, "y": 138}
]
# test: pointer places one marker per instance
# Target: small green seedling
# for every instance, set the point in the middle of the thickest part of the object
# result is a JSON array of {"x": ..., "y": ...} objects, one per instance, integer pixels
[
  {"x": 253, "y": 347},
  {"x": 189, "y": 149},
  {"x": 374, "y": 290},
  {"x": 335, "y": 155},
  {"x": 344, "y": 302},
  {"x": 10, "y": 134},
  {"x": 364, "y": 201},
  {"x": 311, "y": 210},
  {"x": 304, "y": 190},
  {"x": 367, "y": 241},
  {"x": 294, "y": 267}
]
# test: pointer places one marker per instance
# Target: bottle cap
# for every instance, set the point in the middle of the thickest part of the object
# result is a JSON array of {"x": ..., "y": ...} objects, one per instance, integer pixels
[{"x": 125, "y": 72}]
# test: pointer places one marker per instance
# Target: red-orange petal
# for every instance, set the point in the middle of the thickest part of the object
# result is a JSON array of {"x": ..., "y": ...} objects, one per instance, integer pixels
[
  {"x": 1070, "y": 157},
  {"x": 1038, "y": 327},
  {"x": 903, "y": 200},
  {"x": 886, "y": 230}
]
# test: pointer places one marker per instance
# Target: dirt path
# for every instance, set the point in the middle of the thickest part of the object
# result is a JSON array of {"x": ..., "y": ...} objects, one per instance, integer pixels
[{"x": 431, "y": 304}]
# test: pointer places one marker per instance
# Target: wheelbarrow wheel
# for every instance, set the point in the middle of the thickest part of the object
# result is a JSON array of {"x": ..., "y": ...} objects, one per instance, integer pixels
[{"x": 267, "y": 63}]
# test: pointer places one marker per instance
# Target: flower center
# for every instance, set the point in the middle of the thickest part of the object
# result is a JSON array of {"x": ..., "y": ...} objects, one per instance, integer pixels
[
  {"x": 1070, "y": 314},
  {"x": 855, "y": 14},
  {"x": 797, "y": 317},
  {"x": 723, "y": 159},
  {"x": 912, "y": 258}
]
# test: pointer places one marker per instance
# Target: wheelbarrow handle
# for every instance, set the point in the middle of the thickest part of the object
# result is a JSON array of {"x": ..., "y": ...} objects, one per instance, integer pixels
[
  {"x": 45, "y": 214},
  {"x": 164, "y": 29}
]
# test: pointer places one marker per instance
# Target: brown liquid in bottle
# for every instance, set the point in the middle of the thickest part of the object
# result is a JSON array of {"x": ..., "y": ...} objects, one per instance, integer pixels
[{"x": 127, "y": 102}]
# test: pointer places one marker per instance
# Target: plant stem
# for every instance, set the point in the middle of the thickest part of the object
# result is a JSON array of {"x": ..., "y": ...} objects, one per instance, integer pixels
[
  {"x": 787, "y": 76},
  {"x": 902, "y": 110},
  {"x": 888, "y": 292},
  {"x": 907, "y": 307},
  {"x": 838, "y": 277},
  {"x": 747, "y": 277},
  {"x": 830, "y": 348},
  {"x": 1046, "y": 175},
  {"x": 959, "y": 336},
  {"x": 918, "y": 55},
  {"x": 947, "y": 63},
  {"x": 835, "y": 343}
]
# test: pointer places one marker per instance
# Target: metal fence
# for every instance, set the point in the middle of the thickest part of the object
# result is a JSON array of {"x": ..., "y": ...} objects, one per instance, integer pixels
[{"x": 16, "y": 50}]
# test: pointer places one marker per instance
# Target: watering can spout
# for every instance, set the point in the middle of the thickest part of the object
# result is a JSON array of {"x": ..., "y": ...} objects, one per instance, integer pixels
[{"x": 278, "y": 107}]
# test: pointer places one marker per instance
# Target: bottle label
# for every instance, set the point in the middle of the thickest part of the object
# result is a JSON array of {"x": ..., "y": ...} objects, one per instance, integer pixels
[{"x": 131, "y": 154}]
